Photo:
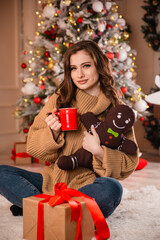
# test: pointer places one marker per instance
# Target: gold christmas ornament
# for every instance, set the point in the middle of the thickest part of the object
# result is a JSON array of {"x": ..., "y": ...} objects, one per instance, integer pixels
[
  {"x": 154, "y": 2},
  {"x": 114, "y": 8},
  {"x": 71, "y": 20},
  {"x": 51, "y": 64},
  {"x": 48, "y": 1},
  {"x": 39, "y": 51},
  {"x": 134, "y": 75},
  {"x": 126, "y": 35},
  {"x": 16, "y": 112},
  {"x": 136, "y": 97}
]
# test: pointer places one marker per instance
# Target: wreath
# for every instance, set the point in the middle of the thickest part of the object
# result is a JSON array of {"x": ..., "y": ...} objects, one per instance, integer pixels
[{"x": 151, "y": 30}]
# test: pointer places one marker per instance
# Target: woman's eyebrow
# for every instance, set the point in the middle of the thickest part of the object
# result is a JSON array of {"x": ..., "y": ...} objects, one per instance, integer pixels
[{"x": 80, "y": 64}]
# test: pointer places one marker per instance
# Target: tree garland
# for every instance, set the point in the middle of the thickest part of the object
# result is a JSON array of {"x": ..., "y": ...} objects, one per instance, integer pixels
[{"x": 152, "y": 28}]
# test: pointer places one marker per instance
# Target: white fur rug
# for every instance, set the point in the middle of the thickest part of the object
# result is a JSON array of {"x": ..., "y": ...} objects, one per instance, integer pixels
[{"x": 136, "y": 218}]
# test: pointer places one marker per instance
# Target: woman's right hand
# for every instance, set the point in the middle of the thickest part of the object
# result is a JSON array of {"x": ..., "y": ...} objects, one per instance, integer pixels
[{"x": 53, "y": 122}]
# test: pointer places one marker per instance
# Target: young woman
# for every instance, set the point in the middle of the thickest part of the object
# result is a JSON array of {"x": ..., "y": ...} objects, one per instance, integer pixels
[{"x": 89, "y": 86}]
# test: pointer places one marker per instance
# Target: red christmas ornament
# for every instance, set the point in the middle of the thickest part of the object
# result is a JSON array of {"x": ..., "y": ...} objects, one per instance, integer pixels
[
  {"x": 150, "y": 104},
  {"x": 25, "y": 52},
  {"x": 124, "y": 89},
  {"x": 80, "y": 20},
  {"x": 109, "y": 26},
  {"x": 47, "y": 54},
  {"x": 25, "y": 130},
  {"x": 117, "y": 55},
  {"x": 90, "y": 11},
  {"x": 37, "y": 100},
  {"x": 99, "y": 33},
  {"x": 141, "y": 119},
  {"x": 42, "y": 87},
  {"x": 110, "y": 55},
  {"x": 23, "y": 65},
  {"x": 145, "y": 123},
  {"x": 43, "y": 5},
  {"x": 70, "y": 44}
]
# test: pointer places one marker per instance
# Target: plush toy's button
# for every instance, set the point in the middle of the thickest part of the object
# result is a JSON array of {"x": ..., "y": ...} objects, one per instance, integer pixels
[
  {"x": 110, "y": 137},
  {"x": 106, "y": 142}
]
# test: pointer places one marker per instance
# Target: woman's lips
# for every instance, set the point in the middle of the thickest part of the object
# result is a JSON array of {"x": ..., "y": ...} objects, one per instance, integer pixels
[{"x": 82, "y": 81}]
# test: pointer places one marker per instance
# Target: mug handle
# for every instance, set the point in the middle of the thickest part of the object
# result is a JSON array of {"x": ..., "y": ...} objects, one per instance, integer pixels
[{"x": 57, "y": 113}]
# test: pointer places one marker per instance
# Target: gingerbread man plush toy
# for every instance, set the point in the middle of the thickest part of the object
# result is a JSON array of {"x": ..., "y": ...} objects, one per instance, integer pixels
[{"x": 111, "y": 133}]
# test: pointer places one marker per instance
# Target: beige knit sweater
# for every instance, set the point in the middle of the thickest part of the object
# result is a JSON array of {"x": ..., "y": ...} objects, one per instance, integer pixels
[{"x": 41, "y": 145}]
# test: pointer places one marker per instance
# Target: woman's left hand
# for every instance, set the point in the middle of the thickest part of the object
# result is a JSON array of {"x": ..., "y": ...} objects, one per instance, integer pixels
[{"x": 91, "y": 143}]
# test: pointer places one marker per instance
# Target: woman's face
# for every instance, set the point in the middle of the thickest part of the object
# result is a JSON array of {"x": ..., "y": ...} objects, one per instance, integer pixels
[{"x": 84, "y": 73}]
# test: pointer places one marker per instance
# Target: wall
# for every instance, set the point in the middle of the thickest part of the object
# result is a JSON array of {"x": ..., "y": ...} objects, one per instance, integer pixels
[
  {"x": 16, "y": 17},
  {"x": 147, "y": 60}
]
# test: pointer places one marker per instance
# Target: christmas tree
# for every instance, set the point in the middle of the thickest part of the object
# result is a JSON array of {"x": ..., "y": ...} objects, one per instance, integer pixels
[
  {"x": 151, "y": 31},
  {"x": 152, "y": 121},
  {"x": 61, "y": 24}
]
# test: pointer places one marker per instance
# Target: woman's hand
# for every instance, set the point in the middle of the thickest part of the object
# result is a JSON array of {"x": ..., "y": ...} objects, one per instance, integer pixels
[
  {"x": 91, "y": 143},
  {"x": 53, "y": 122}
]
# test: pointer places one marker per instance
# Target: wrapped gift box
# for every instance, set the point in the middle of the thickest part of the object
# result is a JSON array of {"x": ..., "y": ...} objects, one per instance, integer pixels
[
  {"x": 20, "y": 156},
  {"x": 57, "y": 221}
]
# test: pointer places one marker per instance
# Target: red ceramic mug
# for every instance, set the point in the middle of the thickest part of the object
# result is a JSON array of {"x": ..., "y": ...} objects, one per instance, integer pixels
[{"x": 68, "y": 118}]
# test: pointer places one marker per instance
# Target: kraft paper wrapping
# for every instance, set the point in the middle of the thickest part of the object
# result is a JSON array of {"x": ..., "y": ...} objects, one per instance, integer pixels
[
  {"x": 57, "y": 225},
  {"x": 20, "y": 147}
]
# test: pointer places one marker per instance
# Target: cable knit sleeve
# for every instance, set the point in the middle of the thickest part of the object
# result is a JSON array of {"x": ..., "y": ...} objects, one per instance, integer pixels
[
  {"x": 115, "y": 163},
  {"x": 40, "y": 141}
]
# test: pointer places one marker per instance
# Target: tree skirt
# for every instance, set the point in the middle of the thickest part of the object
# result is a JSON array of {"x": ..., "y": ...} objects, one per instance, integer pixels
[{"x": 136, "y": 218}]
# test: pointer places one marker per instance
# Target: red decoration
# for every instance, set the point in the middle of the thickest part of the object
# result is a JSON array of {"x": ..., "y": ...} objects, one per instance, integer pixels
[
  {"x": 142, "y": 163},
  {"x": 145, "y": 123},
  {"x": 70, "y": 44},
  {"x": 141, "y": 119},
  {"x": 23, "y": 65},
  {"x": 124, "y": 89},
  {"x": 25, "y": 130},
  {"x": 117, "y": 55},
  {"x": 37, "y": 100},
  {"x": 109, "y": 26},
  {"x": 99, "y": 33},
  {"x": 80, "y": 20},
  {"x": 19, "y": 155},
  {"x": 47, "y": 163},
  {"x": 25, "y": 52},
  {"x": 42, "y": 87},
  {"x": 47, "y": 54},
  {"x": 110, "y": 55}
]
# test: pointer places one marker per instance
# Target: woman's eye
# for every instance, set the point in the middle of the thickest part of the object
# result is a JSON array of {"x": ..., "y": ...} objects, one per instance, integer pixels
[
  {"x": 73, "y": 68},
  {"x": 87, "y": 66}
]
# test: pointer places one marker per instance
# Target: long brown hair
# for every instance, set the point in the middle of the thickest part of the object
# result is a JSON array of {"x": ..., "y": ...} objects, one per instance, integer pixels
[{"x": 67, "y": 88}]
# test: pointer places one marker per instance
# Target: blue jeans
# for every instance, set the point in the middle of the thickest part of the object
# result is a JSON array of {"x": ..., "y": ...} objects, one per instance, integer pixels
[{"x": 16, "y": 184}]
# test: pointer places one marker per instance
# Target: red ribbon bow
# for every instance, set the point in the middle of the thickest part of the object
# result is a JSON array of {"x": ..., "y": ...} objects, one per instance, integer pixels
[
  {"x": 64, "y": 195},
  {"x": 19, "y": 155}
]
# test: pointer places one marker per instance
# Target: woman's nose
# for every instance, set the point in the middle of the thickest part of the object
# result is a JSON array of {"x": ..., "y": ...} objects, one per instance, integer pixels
[{"x": 80, "y": 73}]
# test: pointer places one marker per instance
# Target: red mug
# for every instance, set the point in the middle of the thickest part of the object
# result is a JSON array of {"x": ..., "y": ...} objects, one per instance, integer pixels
[{"x": 68, "y": 118}]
